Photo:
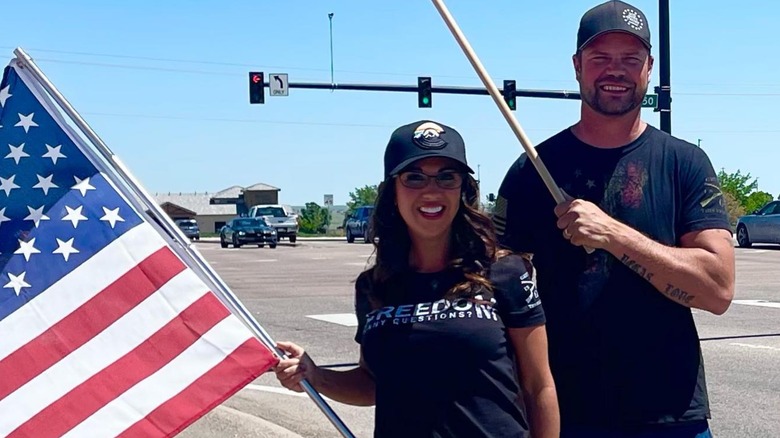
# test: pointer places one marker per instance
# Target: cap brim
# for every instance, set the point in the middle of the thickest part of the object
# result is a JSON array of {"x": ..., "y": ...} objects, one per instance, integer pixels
[
  {"x": 404, "y": 164},
  {"x": 590, "y": 40}
]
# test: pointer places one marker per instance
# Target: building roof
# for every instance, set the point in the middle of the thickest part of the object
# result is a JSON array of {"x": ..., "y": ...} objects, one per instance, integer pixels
[
  {"x": 230, "y": 192},
  {"x": 261, "y": 187},
  {"x": 197, "y": 202},
  {"x": 200, "y": 202}
]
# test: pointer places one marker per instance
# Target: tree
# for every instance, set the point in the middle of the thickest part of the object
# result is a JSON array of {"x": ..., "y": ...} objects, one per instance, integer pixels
[
  {"x": 733, "y": 208},
  {"x": 361, "y": 196},
  {"x": 757, "y": 200},
  {"x": 314, "y": 219},
  {"x": 738, "y": 185}
]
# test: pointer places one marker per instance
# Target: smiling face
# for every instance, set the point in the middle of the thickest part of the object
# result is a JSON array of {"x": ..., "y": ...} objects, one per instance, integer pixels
[
  {"x": 613, "y": 72},
  {"x": 430, "y": 210}
]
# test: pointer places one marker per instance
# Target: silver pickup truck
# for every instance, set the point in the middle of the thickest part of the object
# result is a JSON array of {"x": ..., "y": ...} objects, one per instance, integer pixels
[{"x": 280, "y": 217}]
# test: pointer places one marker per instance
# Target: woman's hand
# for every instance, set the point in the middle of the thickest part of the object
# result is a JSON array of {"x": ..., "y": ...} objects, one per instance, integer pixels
[{"x": 297, "y": 367}]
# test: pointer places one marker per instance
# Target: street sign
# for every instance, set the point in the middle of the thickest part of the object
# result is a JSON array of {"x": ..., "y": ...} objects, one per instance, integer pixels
[
  {"x": 328, "y": 200},
  {"x": 278, "y": 84},
  {"x": 650, "y": 101}
]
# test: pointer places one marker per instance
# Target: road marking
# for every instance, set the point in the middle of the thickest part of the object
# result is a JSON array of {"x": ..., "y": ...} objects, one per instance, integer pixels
[
  {"x": 321, "y": 258},
  {"x": 761, "y": 347},
  {"x": 345, "y": 319},
  {"x": 356, "y": 264},
  {"x": 266, "y": 260},
  {"x": 760, "y": 303},
  {"x": 275, "y": 390}
]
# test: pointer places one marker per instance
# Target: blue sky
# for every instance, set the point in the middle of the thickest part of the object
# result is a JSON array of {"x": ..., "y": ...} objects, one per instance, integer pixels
[{"x": 164, "y": 83}]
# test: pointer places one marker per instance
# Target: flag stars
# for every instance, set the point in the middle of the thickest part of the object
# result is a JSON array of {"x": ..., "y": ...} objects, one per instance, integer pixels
[
  {"x": 65, "y": 248},
  {"x": 591, "y": 184},
  {"x": 74, "y": 215},
  {"x": 82, "y": 185},
  {"x": 5, "y": 94},
  {"x": 54, "y": 153},
  {"x": 27, "y": 249},
  {"x": 7, "y": 185},
  {"x": 3, "y": 217},
  {"x": 17, "y": 282},
  {"x": 36, "y": 215},
  {"x": 577, "y": 173},
  {"x": 17, "y": 153},
  {"x": 45, "y": 184},
  {"x": 26, "y": 122},
  {"x": 111, "y": 216}
]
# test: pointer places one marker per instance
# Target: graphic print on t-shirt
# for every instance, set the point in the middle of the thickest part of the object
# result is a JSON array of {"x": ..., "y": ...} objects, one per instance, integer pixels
[
  {"x": 625, "y": 191},
  {"x": 442, "y": 309}
]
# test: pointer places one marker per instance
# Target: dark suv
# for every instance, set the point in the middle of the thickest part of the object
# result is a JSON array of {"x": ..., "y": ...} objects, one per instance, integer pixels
[
  {"x": 189, "y": 227},
  {"x": 358, "y": 222}
]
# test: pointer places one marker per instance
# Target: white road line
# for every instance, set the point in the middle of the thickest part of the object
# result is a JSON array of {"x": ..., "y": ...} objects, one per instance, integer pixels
[
  {"x": 356, "y": 264},
  {"x": 760, "y": 303},
  {"x": 275, "y": 390},
  {"x": 761, "y": 347},
  {"x": 266, "y": 260},
  {"x": 345, "y": 319}
]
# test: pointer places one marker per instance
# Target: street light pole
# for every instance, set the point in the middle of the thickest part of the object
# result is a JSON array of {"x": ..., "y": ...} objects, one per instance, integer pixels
[
  {"x": 330, "y": 21},
  {"x": 698, "y": 142}
]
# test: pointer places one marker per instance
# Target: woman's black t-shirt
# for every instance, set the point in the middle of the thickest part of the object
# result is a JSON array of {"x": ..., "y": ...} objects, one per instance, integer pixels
[{"x": 446, "y": 368}]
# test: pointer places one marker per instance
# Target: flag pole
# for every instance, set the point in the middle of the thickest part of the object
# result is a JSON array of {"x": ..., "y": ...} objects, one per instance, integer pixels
[
  {"x": 517, "y": 129},
  {"x": 183, "y": 248}
]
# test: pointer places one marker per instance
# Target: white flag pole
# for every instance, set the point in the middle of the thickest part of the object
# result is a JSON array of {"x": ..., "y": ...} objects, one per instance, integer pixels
[{"x": 144, "y": 202}]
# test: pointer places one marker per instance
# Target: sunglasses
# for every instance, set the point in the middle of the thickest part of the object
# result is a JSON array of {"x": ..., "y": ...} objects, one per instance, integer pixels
[{"x": 418, "y": 180}]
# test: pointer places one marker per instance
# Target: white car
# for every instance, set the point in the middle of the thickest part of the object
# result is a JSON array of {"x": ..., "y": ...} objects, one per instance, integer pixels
[{"x": 280, "y": 217}]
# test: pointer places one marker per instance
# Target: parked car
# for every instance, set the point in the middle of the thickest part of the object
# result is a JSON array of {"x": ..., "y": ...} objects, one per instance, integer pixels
[
  {"x": 280, "y": 217},
  {"x": 241, "y": 230},
  {"x": 357, "y": 224},
  {"x": 189, "y": 227},
  {"x": 761, "y": 226}
]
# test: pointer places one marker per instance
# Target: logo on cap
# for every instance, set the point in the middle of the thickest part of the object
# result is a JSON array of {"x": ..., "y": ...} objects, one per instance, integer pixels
[
  {"x": 427, "y": 136},
  {"x": 633, "y": 18}
]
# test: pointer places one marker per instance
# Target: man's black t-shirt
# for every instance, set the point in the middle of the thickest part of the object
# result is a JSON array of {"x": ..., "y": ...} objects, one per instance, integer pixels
[
  {"x": 621, "y": 353},
  {"x": 446, "y": 368}
]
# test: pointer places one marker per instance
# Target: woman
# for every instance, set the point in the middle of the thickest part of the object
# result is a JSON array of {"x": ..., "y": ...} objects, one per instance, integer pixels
[{"x": 451, "y": 329}]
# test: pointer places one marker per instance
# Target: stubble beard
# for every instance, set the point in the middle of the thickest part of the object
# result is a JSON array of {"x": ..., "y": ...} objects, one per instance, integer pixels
[{"x": 609, "y": 106}]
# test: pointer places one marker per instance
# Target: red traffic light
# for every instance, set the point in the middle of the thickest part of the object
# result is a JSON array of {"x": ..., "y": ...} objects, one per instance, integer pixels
[{"x": 257, "y": 78}]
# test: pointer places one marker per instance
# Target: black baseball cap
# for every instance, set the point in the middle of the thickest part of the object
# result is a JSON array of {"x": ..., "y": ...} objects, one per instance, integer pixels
[
  {"x": 423, "y": 139},
  {"x": 613, "y": 16}
]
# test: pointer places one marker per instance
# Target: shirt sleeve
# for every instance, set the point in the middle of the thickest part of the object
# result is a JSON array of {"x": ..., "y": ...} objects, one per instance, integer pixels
[
  {"x": 362, "y": 303},
  {"x": 510, "y": 217},
  {"x": 517, "y": 300},
  {"x": 703, "y": 206}
]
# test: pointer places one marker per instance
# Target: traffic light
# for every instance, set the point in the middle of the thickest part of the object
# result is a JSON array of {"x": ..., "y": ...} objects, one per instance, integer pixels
[
  {"x": 256, "y": 87},
  {"x": 509, "y": 94},
  {"x": 424, "y": 92}
]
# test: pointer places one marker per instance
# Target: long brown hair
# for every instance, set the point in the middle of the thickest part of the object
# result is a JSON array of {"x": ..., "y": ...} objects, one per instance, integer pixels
[{"x": 473, "y": 245}]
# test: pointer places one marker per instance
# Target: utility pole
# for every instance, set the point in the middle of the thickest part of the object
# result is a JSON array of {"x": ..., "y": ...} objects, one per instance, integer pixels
[{"x": 330, "y": 21}]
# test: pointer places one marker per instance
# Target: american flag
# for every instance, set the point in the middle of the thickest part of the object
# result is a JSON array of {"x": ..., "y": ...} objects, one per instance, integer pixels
[{"x": 104, "y": 331}]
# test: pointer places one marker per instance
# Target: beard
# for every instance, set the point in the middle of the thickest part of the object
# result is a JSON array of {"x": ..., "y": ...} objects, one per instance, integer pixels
[{"x": 610, "y": 105}]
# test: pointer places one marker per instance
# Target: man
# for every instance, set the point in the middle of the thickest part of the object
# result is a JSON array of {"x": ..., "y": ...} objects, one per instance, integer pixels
[{"x": 643, "y": 238}]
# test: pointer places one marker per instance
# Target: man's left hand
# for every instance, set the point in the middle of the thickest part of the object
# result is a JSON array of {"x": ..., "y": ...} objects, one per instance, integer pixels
[{"x": 584, "y": 224}]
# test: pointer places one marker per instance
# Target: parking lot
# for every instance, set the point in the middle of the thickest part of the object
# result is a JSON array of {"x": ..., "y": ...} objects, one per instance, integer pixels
[{"x": 304, "y": 293}]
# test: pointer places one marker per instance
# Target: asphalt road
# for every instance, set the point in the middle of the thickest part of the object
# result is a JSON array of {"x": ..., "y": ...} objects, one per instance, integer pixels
[{"x": 286, "y": 286}]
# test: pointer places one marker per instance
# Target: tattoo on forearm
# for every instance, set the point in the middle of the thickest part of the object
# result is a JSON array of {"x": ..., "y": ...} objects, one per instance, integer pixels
[
  {"x": 679, "y": 295},
  {"x": 636, "y": 267}
]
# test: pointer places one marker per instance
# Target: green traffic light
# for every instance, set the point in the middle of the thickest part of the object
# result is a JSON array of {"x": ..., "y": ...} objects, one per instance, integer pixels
[{"x": 426, "y": 100}]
